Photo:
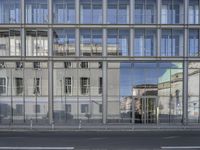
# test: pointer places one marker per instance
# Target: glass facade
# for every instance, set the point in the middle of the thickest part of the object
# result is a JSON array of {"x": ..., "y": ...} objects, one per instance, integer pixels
[{"x": 83, "y": 62}]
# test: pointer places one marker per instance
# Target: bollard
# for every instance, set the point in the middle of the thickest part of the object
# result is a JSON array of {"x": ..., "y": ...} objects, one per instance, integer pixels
[
  {"x": 31, "y": 124},
  {"x": 52, "y": 125},
  {"x": 80, "y": 124}
]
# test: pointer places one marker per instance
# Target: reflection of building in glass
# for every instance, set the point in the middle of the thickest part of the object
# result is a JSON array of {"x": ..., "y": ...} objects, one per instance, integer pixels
[{"x": 99, "y": 62}]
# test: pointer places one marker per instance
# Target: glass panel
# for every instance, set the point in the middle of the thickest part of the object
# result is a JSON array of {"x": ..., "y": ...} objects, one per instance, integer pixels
[
  {"x": 63, "y": 42},
  {"x": 64, "y": 11},
  {"x": 36, "y": 43},
  {"x": 9, "y": 11},
  {"x": 36, "y": 11},
  {"x": 193, "y": 41}
]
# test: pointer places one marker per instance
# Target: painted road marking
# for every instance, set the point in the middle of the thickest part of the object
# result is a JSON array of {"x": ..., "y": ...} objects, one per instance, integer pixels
[
  {"x": 180, "y": 147},
  {"x": 37, "y": 148}
]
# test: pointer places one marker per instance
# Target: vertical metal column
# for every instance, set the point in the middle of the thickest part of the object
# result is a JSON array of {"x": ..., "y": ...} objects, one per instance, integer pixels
[
  {"x": 185, "y": 19},
  {"x": 132, "y": 42},
  {"x": 77, "y": 11},
  {"x": 50, "y": 65},
  {"x": 22, "y": 11},
  {"x": 158, "y": 13},
  {"x": 104, "y": 11},
  {"x": 131, "y": 16},
  {"x": 185, "y": 79},
  {"x": 158, "y": 53},
  {"x": 104, "y": 92}
]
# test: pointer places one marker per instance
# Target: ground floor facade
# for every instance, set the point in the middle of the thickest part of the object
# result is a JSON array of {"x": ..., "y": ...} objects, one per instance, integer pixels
[{"x": 99, "y": 92}]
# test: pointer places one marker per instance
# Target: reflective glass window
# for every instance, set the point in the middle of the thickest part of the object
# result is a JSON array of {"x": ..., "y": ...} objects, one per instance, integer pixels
[
  {"x": 193, "y": 42},
  {"x": 172, "y": 11},
  {"x": 145, "y": 42},
  {"x": 193, "y": 12},
  {"x": 118, "y": 12},
  {"x": 118, "y": 42},
  {"x": 36, "y": 43},
  {"x": 10, "y": 42},
  {"x": 172, "y": 42},
  {"x": 91, "y": 42},
  {"x": 36, "y": 11},
  {"x": 145, "y": 11},
  {"x": 91, "y": 11},
  {"x": 63, "y": 42},
  {"x": 64, "y": 11},
  {"x": 9, "y": 11}
]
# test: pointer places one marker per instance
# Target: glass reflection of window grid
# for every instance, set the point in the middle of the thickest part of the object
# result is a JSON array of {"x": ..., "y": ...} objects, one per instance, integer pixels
[
  {"x": 145, "y": 11},
  {"x": 91, "y": 11},
  {"x": 91, "y": 42},
  {"x": 68, "y": 85},
  {"x": 145, "y": 42},
  {"x": 10, "y": 42},
  {"x": 19, "y": 86},
  {"x": 172, "y": 12},
  {"x": 172, "y": 42},
  {"x": 194, "y": 42},
  {"x": 193, "y": 12},
  {"x": 36, "y": 43},
  {"x": 3, "y": 86},
  {"x": 10, "y": 11},
  {"x": 84, "y": 108},
  {"x": 118, "y": 42},
  {"x": 64, "y": 42},
  {"x": 36, "y": 11},
  {"x": 118, "y": 12},
  {"x": 36, "y": 88},
  {"x": 85, "y": 85},
  {"x": 64, "y": 11}
]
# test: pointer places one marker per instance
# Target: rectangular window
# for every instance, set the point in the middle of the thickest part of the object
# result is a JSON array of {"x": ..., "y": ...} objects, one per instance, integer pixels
[
  {"x": 9, "y": 11},
  {"x": 100, "y": 108},
  {"x": 10, "y": 42},
  {"x": 194, "y": 49},
  {"x": 64, "y": 11},
  {"x": 36, "y": 88},
  {"x": 68, "y": 108},
  {"x": 64, "y": 42},
  {"x": 100, "y": 85},
  {"x": 19, "y": 86},
  {"x": 118, "y": 42},
  {"x": 36, "y": 43},
  {"x": 145, "y": 42},
  {"x": 118, "y": 12},
  {"x": 3, "y": 86},
  {"x": 172, "y": 42},
  {"x": 36, "y": 65},
  {"x": 36, "y": 11},
  {"x": 85, "y": 85},
  {"x": 91, "y": 42},
  {"x": 84, "y": 65},
  {"x": 145, "y": 11},
  {"x": 37, "y": 108},
  {"x": 19, "y": 65},
  {"x": 68, "y": 85},
  {"x": 84, "y": 108},
  {"x": 19, "y": 109},
  {"x": 193, "y": 12},
  {"x": 67, "y": 65},
  {"x": 172, "y": 11},
  {"x": 91, "y": 11}
]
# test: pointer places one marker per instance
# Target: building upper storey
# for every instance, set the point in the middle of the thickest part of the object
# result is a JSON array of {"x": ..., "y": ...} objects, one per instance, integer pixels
[{"x": 99, "y": 11}]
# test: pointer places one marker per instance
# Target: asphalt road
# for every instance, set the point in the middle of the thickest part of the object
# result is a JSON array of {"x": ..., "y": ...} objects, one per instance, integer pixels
[{"x": 101, "y": 140}]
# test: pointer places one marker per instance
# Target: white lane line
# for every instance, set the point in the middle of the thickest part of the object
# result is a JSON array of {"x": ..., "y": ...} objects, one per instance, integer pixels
[
  {"x": 37, "y": 148},
  {"x": 180, "y": 147}
]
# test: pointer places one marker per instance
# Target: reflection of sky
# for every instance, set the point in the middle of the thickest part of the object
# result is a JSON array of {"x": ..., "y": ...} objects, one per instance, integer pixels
[{"x": 135, "y": 74}]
